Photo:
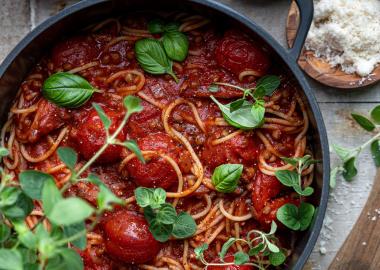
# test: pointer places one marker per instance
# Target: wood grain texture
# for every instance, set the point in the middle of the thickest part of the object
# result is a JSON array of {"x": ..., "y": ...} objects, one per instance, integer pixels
[
  {"x": 320, "y": 69},
  {"x": 361, "y": 250}
]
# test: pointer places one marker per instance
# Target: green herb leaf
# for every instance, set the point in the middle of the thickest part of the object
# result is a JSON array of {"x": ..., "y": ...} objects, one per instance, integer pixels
[
  {"x": 3, "y": 152},
  {"x": 152, "y": 58},
  {"x": 288, "y": 215},
  {"x": 235, "y": 105},
  {"x": 150, "y": 197},
  {"x": 10, "y": 259},
  {"x": 199, "y": 250},
  {"x": 242, "y": 118},
  {"x": 226, "y": 246},
  {"x": 272, "y": 247},
  {"x": 258, "y": 112},
  {"x": 172, "y": 27},
  {"x": 342, "y": 152},
  {"x": 184, "y": 226},
  {"x": 333, "y": 175},
  {"x": 5, "y": 232},
  {"x": 149, "y": 214},
  {"x": 226, "y": 177},
  {"x": 20, "y": 209},
  {"x": 132, "y": 145},
  {"x": 375, "y": 151},
  {"x": 240, "y": 258},
  {"x": 74, "y": 229},
  {"x": 93, "y": 178},
  {"x": 50, "y": 196},
  {"x": 350, "y": 170},
  {"x": 306, "y": 192},
  {"x": 256, "y": 249},
  {"x": 213, "y": 88},
  {"x": 176, "y": 45},
  {"x": 69, "y": 211},
  {"x": 273, "y": 228},
  {"x": 106, "y": 198},
  {"x": 287, "y": 178},
  {"x": 132, "y": 104},
  {"x": 160, "y": 231},
  {"x": 9, "y": 196},
  {"x": 375, "y": 114},
  {"x": 65, "y": 259},
  {"x": 156, "y": 26},
  {"x": 68, "y": 156},
  {"x": 305, "y": 213},
  {"x": 102, "y": 115},
  {"x": 67, "y": 90},
  {"x": 166, "y": 214},
  {"x": 363, "y": 122},
  {"x": 32, "y": 183},
  {"x": 266, "y": 86},
  {"x": 277, "y": 259},
  {"x": 25, "y": 235}
]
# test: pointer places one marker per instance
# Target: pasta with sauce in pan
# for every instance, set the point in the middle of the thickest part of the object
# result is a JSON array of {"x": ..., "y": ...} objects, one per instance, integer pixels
[{"x": 216, "y": 157}]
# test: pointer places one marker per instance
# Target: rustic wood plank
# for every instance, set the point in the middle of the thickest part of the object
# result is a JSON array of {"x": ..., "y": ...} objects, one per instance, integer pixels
[
  {"x": 42, "y": 9},
  {"x": 15, "y": 24}
]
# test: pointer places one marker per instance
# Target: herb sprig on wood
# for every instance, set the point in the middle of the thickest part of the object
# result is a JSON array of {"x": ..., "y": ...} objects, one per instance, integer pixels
[{"x": 41, "y": 248}]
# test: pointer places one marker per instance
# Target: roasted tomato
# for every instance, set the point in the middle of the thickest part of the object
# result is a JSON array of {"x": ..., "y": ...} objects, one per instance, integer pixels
[
  {"x": 240, "y": 149},
  {"x": 266, "y": 189},
  {"x": 157, "y": 172},
  {"x": 237, "y": 53},
  {"x": 74, "y": 52},
  {"x": 229, "y": 258},
  {"x": 128, "y": 239},
  {"x": 89, "y": 135}
]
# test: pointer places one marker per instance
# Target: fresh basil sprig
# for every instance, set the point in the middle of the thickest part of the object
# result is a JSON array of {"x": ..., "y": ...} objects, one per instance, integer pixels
[
  {"x": 226, "y": 177},
  {"x": 348, "y": 156},
  {"x": 176, "y": 45},
  {"x": 67, "y": 90},
  {"x": 244, "y": 114},
  {"x": 259, "y": 243},
  {"x": 38, "y": 248},
  {"x": 162, "y": 217},
  {"x": 152, "y": 58}
]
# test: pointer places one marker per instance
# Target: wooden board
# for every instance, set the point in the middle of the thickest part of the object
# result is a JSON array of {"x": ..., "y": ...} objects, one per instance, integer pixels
[
  {"x": 318, "y": 68},
  {"x": 361, "y": 250}
]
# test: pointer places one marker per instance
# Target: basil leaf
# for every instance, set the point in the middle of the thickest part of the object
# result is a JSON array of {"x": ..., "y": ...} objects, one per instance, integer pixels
[
  {"x": 50, "y": 196},
  {"x": 350, "y": 170},
  {"x": 288, "y": 215},
  {"x": 102, "y": 115},
  {"x": 74, "y": 229},
  {"x": 287, "y": 178},
  {"x": 199, "y": 250},
  {"x": 305, "y": 213},
  {"x": 152, "y": 57},
  {"x": 363, "y": 122},
  {"x": 156, "y": 26},
  {"x": 225, "y": 177},
  {"x": 132, "y": 104},
  {"x": 277, "y": 259},
  {"x": 266, "y": 86},
  {"x": 132, "y": 145},
  {"x": 161, "y": 232},
  {"x": 184, "y": 226},
  {"x": 20, "y": 209},
  {"x": 240, "y": 258},
  {"x": 375, "y": 114},
  {"x": 32, "y": 183},
  {"x": 213, "y": 88},
  {"x": 235, "y": 105},
  {"x": 106, "y": 198},
  {"x": 226, "y": 246},
  {"x": 258, "y": 112},
  {"x": 242, "y": 118},
  {"x": 68, "y": 156},
  {"x": 166, "y": 214},
  {"x": 375, "y": 151},
  {"x": 5, "y": 232},
  {"x": 69, "y": 211},
  {"x": 10, "y": 259},
  {"x": 176, "y": 45},
  {"x": 172, "y": 27},
  {"x": 65, "y": 259},
  {"x": 67, "y": 90},
  {"x": 256, "y": 249}
]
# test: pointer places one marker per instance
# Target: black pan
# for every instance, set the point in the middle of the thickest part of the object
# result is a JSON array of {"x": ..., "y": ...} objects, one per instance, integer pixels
[{"x": 28, "y": 52}]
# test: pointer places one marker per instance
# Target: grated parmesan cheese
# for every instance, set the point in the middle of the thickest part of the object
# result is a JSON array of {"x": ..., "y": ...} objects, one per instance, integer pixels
[{"x": 347, "y": 34}]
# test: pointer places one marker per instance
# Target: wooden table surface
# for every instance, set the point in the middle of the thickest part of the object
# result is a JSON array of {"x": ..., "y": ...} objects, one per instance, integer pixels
[{"x": 18, "y": 17}]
